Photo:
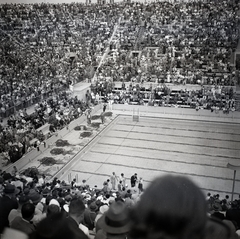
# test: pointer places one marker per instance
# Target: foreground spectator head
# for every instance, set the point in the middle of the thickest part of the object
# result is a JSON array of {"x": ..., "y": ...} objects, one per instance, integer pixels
[
  {"x": 171, "y": 207},
  {"x": 10, "y": 190},
  {"x": 56, "y": 226},
  {"x": 76, "y": 209},
  {"x": 27, "y": 211},
  {"x": 53, "y": 207}
]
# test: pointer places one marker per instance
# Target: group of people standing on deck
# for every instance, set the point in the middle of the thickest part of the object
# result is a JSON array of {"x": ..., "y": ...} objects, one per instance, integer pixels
[{"x": 118, "y": 183}]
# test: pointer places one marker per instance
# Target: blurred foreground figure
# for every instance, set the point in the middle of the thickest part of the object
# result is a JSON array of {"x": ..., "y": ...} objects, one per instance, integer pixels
[
  {"x": 57, "y": 226},
  {"x": 173, "y": 207}
]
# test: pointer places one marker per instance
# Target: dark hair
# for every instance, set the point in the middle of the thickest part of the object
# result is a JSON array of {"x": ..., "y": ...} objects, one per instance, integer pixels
[
  {"x": 76, "y": 207},
  {"x": 48, "y": 199},
  {"x": 53, "y": 227},
  {"x": 28, "y": 210},
  {"x": 53, "y": 209},
  {"x": 171, "y": 207}
]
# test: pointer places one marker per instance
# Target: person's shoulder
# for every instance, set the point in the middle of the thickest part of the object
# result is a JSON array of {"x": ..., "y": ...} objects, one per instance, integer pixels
[
  {"x": 84, "y": 229},
  {"x": 17, "y": 221},
  {"x": 13, "y": 214},
  {"x": 75, "y": 229}
]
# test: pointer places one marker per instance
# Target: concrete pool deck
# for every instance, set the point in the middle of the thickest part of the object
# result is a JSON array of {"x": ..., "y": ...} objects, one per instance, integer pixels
[{"x": 193, "y": 145}]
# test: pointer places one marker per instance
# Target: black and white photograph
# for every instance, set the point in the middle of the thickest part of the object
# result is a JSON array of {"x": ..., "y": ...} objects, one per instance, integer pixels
[{"x": 120, "y": 119}]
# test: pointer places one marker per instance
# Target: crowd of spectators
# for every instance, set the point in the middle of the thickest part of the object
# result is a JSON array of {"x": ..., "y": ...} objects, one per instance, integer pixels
[
  {"x": 22, "y": 132},
  {"x": 47, "y": 47},
  {"x": 27, "y": 203},
  {"x": 212, "y": 98},
  {"x": 182, "y": 43},
  {"x": 22, "y": 187}
]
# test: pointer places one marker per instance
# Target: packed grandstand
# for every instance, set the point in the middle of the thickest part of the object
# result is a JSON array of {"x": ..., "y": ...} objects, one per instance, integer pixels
[{"x": 144, "y": 48}]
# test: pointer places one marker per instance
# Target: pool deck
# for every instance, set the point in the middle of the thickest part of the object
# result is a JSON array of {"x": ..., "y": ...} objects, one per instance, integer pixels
[{"x": 194, "y": 144}]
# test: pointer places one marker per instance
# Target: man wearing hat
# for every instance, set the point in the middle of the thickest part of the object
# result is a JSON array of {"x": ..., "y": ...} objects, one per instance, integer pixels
[
  {"x": 34, "y": 196},
  {"x": 7, "y": 202},
  {"x": 115, "y": 222},
  {"x": 90, "y": 215},
  {"x": 45, "y": 193},
  {"x": 217, "y": 211}
]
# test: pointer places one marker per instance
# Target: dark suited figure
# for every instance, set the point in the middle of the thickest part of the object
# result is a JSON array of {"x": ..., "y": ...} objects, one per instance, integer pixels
[
  {"x": 133, "y": 180},
  {"x": 23, "y": 223},
  {"x": 76, "y": 216},
  {"x": 7, "y": 202}
]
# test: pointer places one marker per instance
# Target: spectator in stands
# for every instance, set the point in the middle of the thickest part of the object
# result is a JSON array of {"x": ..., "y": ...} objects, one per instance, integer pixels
[
  {"x": 106, "y": 188},
  {"x": 159, "y": 214},
  {"x": 23, "y": 223},
  {"x": 90, "y": 215},
  {"x": 103, "y": 209},
  {"x": 76, "y": 216},
  {"x": 115, "y": 223},
  {"x": 233, "y": 213},
  {"x": 172, "y": 206},
  {"x": 217, "y": 208},
  {"x": 53, "y": 207},
  {"x": 41, "y": 180},
  {"x": 7, "y": 202},
  {"x": 57, "y": 226},
  {"x": 17, "y": 212}
]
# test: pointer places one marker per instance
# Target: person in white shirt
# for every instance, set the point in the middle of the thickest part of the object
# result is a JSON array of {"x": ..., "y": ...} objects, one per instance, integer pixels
[
  {"x": 41, "y": 180},
  {"x": 123, "y": 179}
]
